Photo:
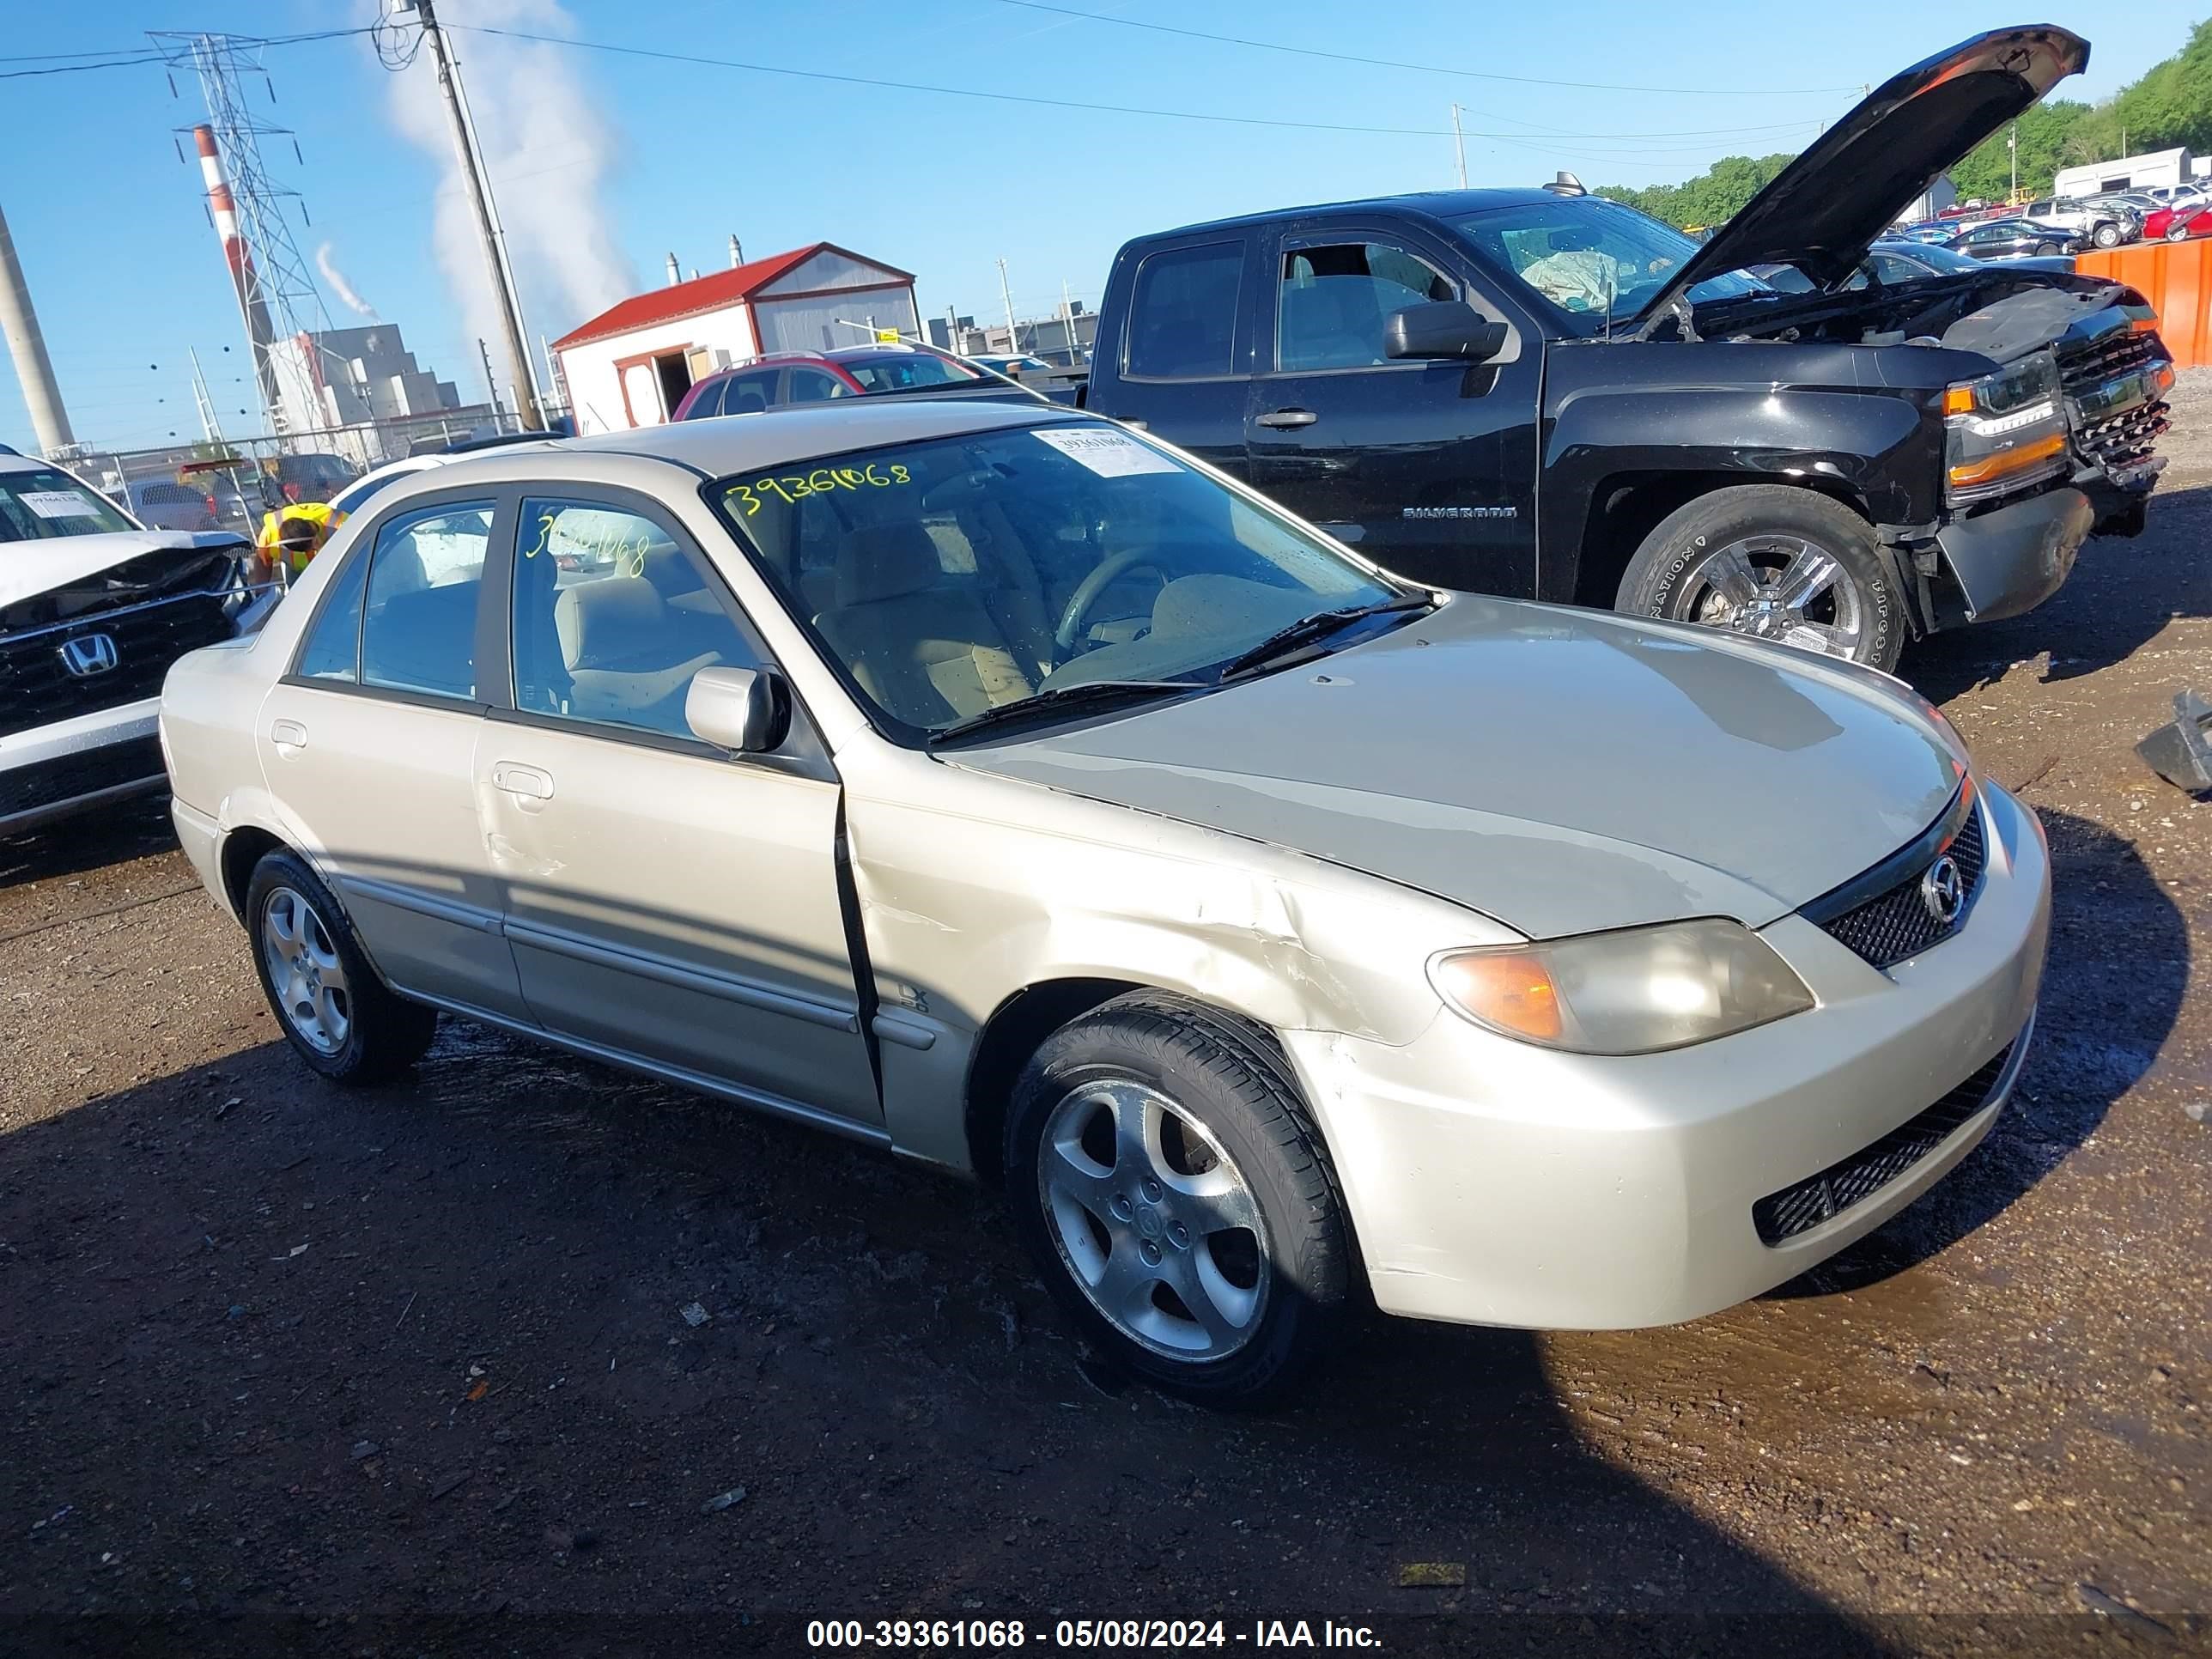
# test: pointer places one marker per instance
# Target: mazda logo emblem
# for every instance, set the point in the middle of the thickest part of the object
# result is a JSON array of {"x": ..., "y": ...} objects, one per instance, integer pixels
[
  {"x": 88, "y": 654},
  {"x": 1943, "y": 889}
]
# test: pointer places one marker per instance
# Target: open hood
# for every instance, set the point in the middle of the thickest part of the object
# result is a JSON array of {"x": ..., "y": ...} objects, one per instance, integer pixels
[
  {"x": 1824, "y": 209},
  {"x": 29, "y": 567}
]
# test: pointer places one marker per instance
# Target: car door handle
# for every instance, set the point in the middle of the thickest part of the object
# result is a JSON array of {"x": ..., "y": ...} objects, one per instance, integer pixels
[
  {"x": 1286, "y": 418},
  {"x": 526, "y": 782},
  {"x": 288, "y": 735}
]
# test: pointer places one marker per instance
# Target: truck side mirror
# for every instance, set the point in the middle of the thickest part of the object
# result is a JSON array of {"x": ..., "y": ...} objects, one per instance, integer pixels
[
  {"x": 1449, "y": 329},
  {"x": 746, "y": 711}
]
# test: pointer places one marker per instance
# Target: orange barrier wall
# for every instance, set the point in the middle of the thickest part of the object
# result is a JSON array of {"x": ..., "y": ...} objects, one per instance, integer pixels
[{"x": 2175, "y": 277}]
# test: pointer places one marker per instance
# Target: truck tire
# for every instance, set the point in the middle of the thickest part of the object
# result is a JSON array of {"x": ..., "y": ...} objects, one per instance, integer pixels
[{"x": 1775, "y": 562}]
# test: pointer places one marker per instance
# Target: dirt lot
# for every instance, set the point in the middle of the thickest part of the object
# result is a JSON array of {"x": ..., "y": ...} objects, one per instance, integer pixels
[{"x": 288, "y": 1369}]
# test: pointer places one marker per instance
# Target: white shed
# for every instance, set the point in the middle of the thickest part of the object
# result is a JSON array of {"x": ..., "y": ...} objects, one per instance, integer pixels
[{"x": 631, "y": 365}]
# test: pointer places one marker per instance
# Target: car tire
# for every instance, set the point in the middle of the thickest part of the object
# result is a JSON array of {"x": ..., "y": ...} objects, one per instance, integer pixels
[
  {"x": 1736, "y": 558},
  {"x": 338, "y": 1016},
  {"x": 2106, "y": 236},
  {"x": 1132, "y": 1129},
  {"x": 2176, "y": 232}
]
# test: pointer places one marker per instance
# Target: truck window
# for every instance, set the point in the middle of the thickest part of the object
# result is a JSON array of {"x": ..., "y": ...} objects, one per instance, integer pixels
[
  {"x": 1334, "y": 299},
  {"x": 1183, "y": 313}
]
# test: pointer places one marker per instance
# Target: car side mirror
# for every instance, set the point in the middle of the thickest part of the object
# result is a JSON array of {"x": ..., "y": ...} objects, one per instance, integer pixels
[
  {"x": 1442, "y": 329},
  {"x": 746, "y": 711}
]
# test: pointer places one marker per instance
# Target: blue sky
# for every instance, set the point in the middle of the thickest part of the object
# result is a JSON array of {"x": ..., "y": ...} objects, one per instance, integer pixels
[{"x": 127, "y": 275}]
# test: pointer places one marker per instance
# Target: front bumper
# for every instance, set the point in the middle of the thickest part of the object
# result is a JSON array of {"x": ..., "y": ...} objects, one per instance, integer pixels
[
  {"x": 2007, "y": 560},
  {"x": 72, "y": 765},
  {"x": 1494, "y": 1182}
]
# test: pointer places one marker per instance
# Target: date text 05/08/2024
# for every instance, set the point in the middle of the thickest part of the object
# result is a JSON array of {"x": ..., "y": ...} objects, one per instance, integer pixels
[{"x": 1007, "y": 1635}]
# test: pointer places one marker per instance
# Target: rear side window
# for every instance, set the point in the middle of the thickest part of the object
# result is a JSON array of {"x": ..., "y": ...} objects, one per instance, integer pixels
[
  {"x": 749, "y": 394},
  {"x": 1183, "y": 313},
  {"x": 419, "y": 626},
  {"x": 333, "y": 648}
]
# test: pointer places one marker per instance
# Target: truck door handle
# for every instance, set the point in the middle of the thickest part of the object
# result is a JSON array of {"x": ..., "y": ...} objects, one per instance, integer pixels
[
  {"x": 288, "y": 735},
  {"x": 525, "y": 782},
  {"x": 1286, "y": 418}
]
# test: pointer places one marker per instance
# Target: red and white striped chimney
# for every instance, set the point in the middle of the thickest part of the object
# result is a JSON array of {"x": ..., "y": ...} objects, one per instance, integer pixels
[{"x": 259, "y": 333}]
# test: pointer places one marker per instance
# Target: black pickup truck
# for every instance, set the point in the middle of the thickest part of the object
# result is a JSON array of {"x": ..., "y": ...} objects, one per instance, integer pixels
[{"x": 1541, "y": 394}]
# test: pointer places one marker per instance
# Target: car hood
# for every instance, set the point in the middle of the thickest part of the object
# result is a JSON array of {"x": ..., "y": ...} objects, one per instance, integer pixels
[
  {"x": 29, "y": 567},
  {"x": 1848, "y": 185},
  {"x": 1560, "y": 771}
]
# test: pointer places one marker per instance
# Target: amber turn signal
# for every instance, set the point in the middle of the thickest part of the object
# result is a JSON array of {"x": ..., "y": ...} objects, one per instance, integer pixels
[
  {"x": 1959, "y": 400},
  {"x": 2007, "y": 462},
  {"x": 1505, "y": 989}
]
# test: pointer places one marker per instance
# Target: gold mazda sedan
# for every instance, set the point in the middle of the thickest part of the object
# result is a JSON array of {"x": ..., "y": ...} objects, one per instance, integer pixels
[{"x": 997, "y": 786}]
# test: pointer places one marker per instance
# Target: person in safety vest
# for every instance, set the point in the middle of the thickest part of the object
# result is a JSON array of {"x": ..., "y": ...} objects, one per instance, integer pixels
[{"x": 294, "y": 535}]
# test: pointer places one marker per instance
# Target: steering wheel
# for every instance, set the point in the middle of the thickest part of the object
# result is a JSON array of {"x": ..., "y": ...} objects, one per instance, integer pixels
[{"x": 1103, "y": 575}]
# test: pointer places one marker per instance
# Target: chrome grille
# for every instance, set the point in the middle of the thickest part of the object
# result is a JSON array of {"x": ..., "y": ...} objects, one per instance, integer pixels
[
  {"x": 2125, "y": 439},
  {"x": 1848, "y": 1182}
]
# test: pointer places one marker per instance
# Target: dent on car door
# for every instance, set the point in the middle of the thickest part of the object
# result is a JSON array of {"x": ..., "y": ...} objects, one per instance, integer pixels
[
  {"x": 368, "y": 743},
  {"x": 662, "y": 899},
  {"x": 1427, "y": 466}
]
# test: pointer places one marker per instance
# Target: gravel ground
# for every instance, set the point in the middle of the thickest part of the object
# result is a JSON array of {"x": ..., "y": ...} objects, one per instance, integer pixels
[{"x": 288, "y": 1369}]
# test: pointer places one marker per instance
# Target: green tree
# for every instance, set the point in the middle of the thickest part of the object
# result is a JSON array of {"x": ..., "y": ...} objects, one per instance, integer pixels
[{"x": 1717, "y": 194}]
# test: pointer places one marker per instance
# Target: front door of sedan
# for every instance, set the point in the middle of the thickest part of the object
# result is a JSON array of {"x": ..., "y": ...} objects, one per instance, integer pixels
[
  {"x": 663, "y": 900},
  {"x": 1427, "y": 468},
  {"x": 369, "y": 745}
]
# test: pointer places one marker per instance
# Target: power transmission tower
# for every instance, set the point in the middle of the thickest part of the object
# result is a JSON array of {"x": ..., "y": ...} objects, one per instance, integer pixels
[{"x": 271, "y": 275}]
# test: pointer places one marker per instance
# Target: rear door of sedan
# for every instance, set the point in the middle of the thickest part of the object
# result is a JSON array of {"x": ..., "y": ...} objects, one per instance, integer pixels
[
  {"x": 662, "y": 899},
  {"x": 369, "y": 743}
]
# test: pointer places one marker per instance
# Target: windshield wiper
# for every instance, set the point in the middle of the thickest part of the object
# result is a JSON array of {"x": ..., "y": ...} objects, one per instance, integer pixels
[
  {"x": 1064, "y": 698},
  {"x": 1307, "y": 629}
]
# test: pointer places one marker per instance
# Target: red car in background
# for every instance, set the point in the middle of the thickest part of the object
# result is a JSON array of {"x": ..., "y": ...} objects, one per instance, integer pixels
[
  {"x": 865, "y": 371},
  {"x": 2177, "y": 224}
]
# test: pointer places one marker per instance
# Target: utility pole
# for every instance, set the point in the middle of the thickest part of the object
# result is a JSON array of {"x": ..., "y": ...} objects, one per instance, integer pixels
[
  {"x": 1459, "y": 148},
  {"x": 42, "y": 393},
  {"x": 510, "y": 317},
  {"x": 1067, "y": 325},
  {"x": 1013, "y": 337},
  {"x": 209, "y": 426},
  {"x": 2012, "y": 144}
]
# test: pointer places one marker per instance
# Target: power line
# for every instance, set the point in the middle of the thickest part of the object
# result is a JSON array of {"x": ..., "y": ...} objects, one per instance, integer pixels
[
  {"x": 1421, "y": 69},
  {"x": 695, "y": 60},
  {"x": 133, "y": 58}
]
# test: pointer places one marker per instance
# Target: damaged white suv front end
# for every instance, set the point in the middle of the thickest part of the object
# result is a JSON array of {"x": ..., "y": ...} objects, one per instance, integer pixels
[{"x": 93, "y": 610}]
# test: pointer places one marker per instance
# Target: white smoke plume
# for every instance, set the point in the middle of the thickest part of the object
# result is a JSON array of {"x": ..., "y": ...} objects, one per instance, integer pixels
[
  {"x": 347, "y": 296},
  {"x": 547, "y": 150}
]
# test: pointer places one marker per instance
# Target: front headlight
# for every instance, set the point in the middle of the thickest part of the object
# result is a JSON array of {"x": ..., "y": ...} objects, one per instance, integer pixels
[
  {"x": 2004, "y": 430},
  {"x": 1633, "y": 992}
]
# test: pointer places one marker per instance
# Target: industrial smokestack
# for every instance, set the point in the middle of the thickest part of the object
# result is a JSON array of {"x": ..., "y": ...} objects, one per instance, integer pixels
[
  {"x": 737, "y": 253},
  {"x": 41, "y": 394},
  {"x": 675, "y": 275},
  {"x": 259, "y": 336}
]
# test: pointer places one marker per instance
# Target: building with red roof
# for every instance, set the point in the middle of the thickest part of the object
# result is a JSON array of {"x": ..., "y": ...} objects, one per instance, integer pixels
[{"x": 631, "y": 365}]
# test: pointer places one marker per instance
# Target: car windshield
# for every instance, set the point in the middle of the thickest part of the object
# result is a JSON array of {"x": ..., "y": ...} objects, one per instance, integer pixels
[
  {"x": 40, "y": 503},
  {"x": 905, "y": 372},
  {"x": 1587, "y": 257},
  {"x": 1939, "y": 259},
  {"x": 952, "y": 577}
]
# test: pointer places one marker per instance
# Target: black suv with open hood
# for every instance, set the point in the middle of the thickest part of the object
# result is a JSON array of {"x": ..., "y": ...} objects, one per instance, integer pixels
[{"x": 1539, "y": 392}]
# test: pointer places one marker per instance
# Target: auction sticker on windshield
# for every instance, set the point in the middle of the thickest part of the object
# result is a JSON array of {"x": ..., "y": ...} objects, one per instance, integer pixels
[
  {"x": 58, "y": 504},
  {"x": 1109, "y": 454}
]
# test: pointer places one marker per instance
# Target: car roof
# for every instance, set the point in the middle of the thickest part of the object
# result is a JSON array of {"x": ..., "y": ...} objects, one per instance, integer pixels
[
  {"x": 742, "y": 443},
  {"x": 1420, "y": 204}
]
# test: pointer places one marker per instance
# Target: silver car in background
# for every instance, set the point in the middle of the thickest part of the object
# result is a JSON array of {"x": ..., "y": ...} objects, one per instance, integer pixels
[{"x": 1001, "y": 787}]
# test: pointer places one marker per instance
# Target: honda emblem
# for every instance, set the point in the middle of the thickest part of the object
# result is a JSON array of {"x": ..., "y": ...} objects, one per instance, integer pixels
[{"x": 88, "y": 654}]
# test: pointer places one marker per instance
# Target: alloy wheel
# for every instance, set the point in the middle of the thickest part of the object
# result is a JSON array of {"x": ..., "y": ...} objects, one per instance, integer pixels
[
  {"x": 1154, "y": 1220},
  {"x": 306, "y": 972},
  {"x": 1775, "y": 587}
]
